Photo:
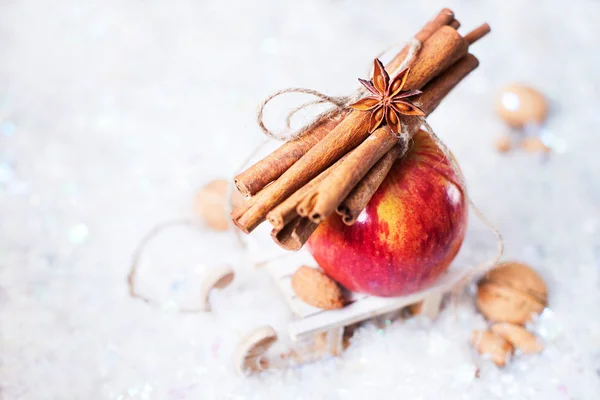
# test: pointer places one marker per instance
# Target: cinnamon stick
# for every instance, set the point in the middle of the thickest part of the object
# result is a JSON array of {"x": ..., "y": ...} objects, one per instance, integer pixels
[
  {"x": 241, "y": 209},
  {"x": 360, "y": 196},
  {"x": 438, "y": 89},
  {"x": 477, "y": 33},
  {"x": 337, "y": 185},
  {"x": 286, "y": 210},
  {"x": 265, "y": 171},
  {"x": 294, "y": 234},
  {"x": 432, "y": 96},
  {"x": 440, "y": 51},
  {"x": 444, "y": 17},
  {"x": 340, "y": 141}
]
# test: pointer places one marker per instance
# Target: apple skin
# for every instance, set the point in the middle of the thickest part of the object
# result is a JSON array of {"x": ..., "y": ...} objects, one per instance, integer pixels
[{"x": 408, "y": 234}]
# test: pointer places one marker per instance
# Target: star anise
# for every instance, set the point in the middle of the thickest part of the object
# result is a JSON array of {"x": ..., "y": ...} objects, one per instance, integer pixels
[{"x": 387, "y": 99}]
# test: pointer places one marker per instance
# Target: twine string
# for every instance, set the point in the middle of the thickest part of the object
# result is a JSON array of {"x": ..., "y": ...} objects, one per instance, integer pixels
[
  {"x": 137, "y": 258},
  {"x": 190, "y": 223},
  {"x": 414, "y": 46}
]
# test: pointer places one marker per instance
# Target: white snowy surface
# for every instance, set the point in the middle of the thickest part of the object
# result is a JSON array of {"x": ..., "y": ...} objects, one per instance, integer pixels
[{"x": 113, "y": 113}]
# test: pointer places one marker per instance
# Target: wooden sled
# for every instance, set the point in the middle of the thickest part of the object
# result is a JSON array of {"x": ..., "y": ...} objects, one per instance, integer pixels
[{"x": 315, "y": 333}]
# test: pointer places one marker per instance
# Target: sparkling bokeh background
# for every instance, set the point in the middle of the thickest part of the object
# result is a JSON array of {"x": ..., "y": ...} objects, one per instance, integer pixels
[{"x": 112, "y": 115}]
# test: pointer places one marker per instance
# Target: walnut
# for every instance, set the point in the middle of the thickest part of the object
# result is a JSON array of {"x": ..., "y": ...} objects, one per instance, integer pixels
[{"x": 511, "y": 292}]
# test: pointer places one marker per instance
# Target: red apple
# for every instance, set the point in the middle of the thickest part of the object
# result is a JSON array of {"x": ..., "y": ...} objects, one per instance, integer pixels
[{"x": 409, "y": 233}]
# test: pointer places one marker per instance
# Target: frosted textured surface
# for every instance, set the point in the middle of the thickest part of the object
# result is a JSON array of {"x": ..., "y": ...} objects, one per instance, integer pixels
[{"x": 113, "y": 113}]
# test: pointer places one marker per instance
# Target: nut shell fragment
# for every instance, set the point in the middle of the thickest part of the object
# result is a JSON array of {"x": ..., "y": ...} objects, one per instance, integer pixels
[
  {"x": 534, "y": 144},
  {"x": 493, "y": 346},
  {"x": 519, "y": 337}
]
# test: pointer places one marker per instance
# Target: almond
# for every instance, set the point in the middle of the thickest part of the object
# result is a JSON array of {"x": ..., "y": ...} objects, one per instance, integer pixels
[
  {"x": 495, "y": 347},
  {"x": 520, "y": 338},
  {"x": 317, "y": 289}
]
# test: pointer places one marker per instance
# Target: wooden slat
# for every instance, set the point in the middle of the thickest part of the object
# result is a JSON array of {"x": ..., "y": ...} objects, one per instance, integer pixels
[
  {"x": 431, "y": 305},
  {"x": 366, "y": 308},
  {"x": 281, "y": 270}
]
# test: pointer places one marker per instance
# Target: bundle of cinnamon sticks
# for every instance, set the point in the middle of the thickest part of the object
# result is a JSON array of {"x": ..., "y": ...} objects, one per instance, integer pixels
[{"x": 337, "y": 166}]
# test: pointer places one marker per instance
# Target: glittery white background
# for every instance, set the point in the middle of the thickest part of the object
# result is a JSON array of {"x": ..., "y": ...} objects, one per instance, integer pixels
[{"x": 113, "y": 113}]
